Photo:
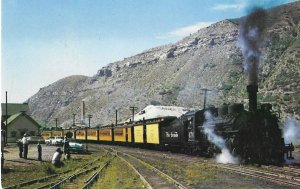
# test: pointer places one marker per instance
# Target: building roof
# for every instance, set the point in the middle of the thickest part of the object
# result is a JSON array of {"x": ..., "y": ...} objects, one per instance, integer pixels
[
  {"x": 152, "y": 111},
  {"x": 14, "y": 108},
  {"x": 14, "y": 117}
]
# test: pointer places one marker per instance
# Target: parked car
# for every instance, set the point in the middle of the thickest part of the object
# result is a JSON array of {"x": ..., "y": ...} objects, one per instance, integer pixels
[
  {"x": 57, "y": 140},
  {"x": 48, "y": 141},
  {"x": 35, "y": 139},
  {"x": 76, "y": 147}
]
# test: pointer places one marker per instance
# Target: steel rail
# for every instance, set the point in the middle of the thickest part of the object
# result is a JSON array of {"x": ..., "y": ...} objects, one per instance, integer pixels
[
  {"x": 95, "y": 176},
  {"x": 86, "y": 165},
  {"x": 72, "y": 177},
  {"x": 162, "y": 174},
  {"x": 259, "y": 174},
  {"x": 46, "y": 178},
  {"x": 137, "y": 172}
]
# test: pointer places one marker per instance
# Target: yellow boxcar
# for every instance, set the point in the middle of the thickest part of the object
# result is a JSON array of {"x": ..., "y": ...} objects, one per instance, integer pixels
[
  {"x": 138, "y": 134},
  {"x": 46, "y": 134},
  {"x": 152, "y": 133},
  {"x": 92, "y": 134},
  {"x": 120, "y": 134},
  {"x": 80, "y": 134},
  {"x": 105, "y": 135},
  {"x": 129, "y": 134}
]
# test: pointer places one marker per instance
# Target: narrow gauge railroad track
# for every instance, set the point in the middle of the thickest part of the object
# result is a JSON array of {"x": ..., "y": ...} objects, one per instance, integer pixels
[
  {"x": 275, "y": 174},
  {"x": 284, "y": 170},
  {"x": 157, "y": 180},
  {"x": 70, "y": 181},
  {"x": 45, "y": 179},
  {"x": 269, "y": 176}
]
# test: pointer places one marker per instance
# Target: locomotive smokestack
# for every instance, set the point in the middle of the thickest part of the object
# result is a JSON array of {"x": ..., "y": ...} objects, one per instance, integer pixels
[
  {"x": 250, "y": 41},
  {"x": 252, "y": 94}
]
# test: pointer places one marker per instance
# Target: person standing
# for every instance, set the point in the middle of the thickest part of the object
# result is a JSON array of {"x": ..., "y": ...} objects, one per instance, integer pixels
[
  {"x": 39, "y": 148},
  {"x": 66, "y": 148},
  {"x": 20, "y": 145},
  {"x": 25, "y": 145}
]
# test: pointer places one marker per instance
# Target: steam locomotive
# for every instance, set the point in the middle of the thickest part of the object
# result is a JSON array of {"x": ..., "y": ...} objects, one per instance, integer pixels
[{"x": 253, "y": 136}]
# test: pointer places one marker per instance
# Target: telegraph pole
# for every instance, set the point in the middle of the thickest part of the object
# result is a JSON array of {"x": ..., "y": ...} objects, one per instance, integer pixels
[
  {"x": 6, "y": 116},
  {"x": 56, "y": 123},
  {"x": 116, "y": 117},
  {"x": 90, "y": 116},
  {"x": 74, "y": 119},
  {"x": 133, "y": 109}
]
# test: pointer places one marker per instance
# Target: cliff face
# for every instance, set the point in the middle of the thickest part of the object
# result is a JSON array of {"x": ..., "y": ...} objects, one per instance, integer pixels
[{"x": 175, "y": 74}]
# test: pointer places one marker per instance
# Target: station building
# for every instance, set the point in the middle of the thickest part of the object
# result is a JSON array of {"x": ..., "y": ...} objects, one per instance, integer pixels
[{"x": 18, "y": 121}]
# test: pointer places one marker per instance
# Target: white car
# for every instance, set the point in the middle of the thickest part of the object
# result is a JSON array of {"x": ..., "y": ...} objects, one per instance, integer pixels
[
  {"x": 57, "y": 140},
  {"x": 48, "y": 141}
]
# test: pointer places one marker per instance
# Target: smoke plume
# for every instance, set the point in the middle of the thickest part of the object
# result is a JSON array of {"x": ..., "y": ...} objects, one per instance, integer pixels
[
  {"x": 250, "y": 40},
  {"x": 209, "y": 127},
  {"x": 291, "y": 130}
]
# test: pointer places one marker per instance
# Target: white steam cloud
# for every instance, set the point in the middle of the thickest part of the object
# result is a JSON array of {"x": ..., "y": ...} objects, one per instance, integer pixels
[
  {"x": 209, "y": 127},
  {"x": 291, "y": 130}
]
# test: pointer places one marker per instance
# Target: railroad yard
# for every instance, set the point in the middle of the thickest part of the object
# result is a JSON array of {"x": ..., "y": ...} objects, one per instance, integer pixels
[{"x": 124, "y": 167}]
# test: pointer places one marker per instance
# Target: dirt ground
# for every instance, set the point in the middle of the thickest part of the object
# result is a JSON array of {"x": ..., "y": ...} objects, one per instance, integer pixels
[{"x": 13, "y": 163}]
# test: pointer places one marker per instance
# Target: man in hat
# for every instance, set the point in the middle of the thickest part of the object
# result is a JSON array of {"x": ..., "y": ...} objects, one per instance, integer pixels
[
  {"x": 56, "y": 158},
  {"x": 25, "y": 145}
]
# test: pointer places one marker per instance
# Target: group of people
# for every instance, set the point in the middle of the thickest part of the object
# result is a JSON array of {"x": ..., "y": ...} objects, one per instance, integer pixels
[
  {"x": 56, "y": 159},
  {"x": 23, "y": 146}
]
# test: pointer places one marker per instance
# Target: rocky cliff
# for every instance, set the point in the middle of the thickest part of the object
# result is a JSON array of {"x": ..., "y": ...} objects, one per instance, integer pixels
[{"x": 175, "y": 74}]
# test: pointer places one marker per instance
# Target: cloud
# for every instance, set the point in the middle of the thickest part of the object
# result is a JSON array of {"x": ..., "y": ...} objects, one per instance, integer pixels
[
  {"x": 225, "y": 7},
  {"x": 185, "y": 31}
]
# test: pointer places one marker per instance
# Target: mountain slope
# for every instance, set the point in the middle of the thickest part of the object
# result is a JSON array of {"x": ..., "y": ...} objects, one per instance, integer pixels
[{"x": 175, "y": 74}]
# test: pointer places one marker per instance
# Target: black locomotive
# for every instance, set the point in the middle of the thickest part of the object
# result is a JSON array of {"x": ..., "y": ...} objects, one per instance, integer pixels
[{"x": 253, "y": 136}]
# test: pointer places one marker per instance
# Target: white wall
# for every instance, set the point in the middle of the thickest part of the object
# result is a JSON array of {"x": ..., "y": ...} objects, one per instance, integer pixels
[{"x": 21, "y": 125}]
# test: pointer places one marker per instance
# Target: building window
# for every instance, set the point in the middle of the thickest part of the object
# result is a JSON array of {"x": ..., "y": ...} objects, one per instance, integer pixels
[
  {"x": 13, "y": 133},
  {"x": 32, "y": 133}
]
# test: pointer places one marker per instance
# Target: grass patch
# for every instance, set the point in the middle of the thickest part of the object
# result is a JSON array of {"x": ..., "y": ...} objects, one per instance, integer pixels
[
  {"x": 20, "y": 173},
  {"x": 191, "y": 173},
  {"x": 118, "y": 175}
]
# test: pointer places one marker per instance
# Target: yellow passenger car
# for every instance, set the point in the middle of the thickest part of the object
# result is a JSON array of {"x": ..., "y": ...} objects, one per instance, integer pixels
[
  {"x": 129, "y": 135},
  {"x": 120, "y": 134},
  {"x": 46, "y": 134},
  {"x": 80, "y": 135},
  {"x": 152, "y": 133},
  {"x": 105, "y": 134},
  {"x": 138, "y": 133},
  {"x": 92, "y": 134},
  {"x": 58, "y": 133}
]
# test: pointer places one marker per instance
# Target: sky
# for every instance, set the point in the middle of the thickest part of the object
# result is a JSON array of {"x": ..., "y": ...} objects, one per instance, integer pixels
[{"x": 43, "y": 41}]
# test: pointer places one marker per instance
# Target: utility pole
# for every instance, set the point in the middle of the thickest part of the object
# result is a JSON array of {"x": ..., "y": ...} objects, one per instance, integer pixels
[
  {"x": 90, "y": 116},
  {"x": 56, "y": 123},
  {"x": 6, "y": 116},
  {"x": 74, "y": 119},
  {"x": 116, "y": 117},
  {"x": 133, "y": 109}
]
